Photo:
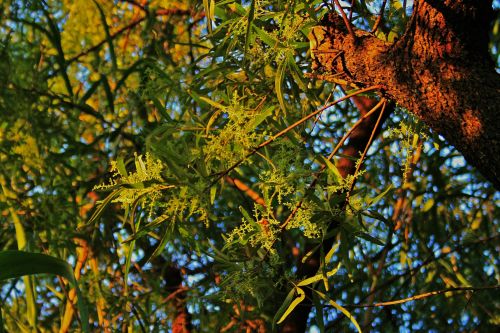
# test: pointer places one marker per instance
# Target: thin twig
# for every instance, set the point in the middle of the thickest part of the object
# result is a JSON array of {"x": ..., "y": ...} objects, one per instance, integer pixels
[
  {"x": 379, "y": 18},
  {"x": 319, "y": 115},
  {"x": 104, "y": 41},
  {"x": 346, "y": 20},
  {"x": 159, "y": 12},
  {"x": 335, "y": 150},
  {"x": 368, "y": 114},
  {"x": 400, "y": 206},
  {"x": 174, "y": 294},
  {"x": 413, "y": 271},
  {"x": 136, "y": 4},
  {"x": 420, "y": 296},
  {"x": 353, "y": 2},
  {"x": 358, "y": 166},
  {"x": 297, "y": 123}
]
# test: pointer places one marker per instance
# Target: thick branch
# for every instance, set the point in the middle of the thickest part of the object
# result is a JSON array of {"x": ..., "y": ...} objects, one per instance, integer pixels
[{"x": 440, "y": 70}]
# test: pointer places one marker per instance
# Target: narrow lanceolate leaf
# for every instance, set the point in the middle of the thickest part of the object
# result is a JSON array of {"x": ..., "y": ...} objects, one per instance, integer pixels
[
  {"x": 267, "y": 38},
  {"x": 29, "y": 283},
  {"x": 213, "y": 103},
  {"x": 310, "y": 253},
  {"x": 332, "y": 251},
  {"x": 251, "y": 14},
  {"x": 261, "y": 117},
  {"x": 340, "y": 308},
  {"x": 333, "y": 169},
  {"x": 284, "y": 306},
  {"x": 278, "y": 82},
  {"x": 368, "y": 237},
  {"x": 15, "y": 264},
  {"x": 293, "y": 305},
  {"x": 209, "y": 6},
  {"x": 109, "y": 39},
  {"x": 90, "y": 91},
  {"x": 318, "y": 277},
  {"x": 318, "y": 313},
  {"x": 110, "y": 98},
  {"x": 296, "y": 72},
  {"x": 100, "y": 209},
  {"x": 164, "y": 240},
  {"x": 380, "y": 196}
]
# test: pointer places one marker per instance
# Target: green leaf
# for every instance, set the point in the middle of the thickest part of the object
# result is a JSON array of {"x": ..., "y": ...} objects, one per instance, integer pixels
[
  {"x": 15, "y": 264},
  {"x": 55, "y": 38},
  {"x": 368, "y": 237},
  {"x": 261, "y": 117},
  {"x": 284, "y": 306},
  {"x": 251, "y": 14},
  {"x": 214, "y": 104},
  {"x": 310, "y": 253},
  {"x": 90, "y": 91},
  {"x": 109, "y": 93},
  {"x": 318, "y": 313},
  {"x": 103, "y": 204},
  {"x": 267, "y": 38},
  {"x": 147, "y": 228},
  {"x": 333, "y": 170},
  {"x": 213, "y": 193},
  {"x": 247, "y": 216},
  {"x": 209, "y": 6},
  {"x": 278, "y": 81},
  {"x": 109, "y": 39},
  {"x": 296, "y": 72},
  {"x": 380, "y": 196},
  {"x": 128, "y": 262},
  {"x": 293, "y": 305},
  {"x": 120, "y": 165},
  {"x": 376, "y": 215},
  {"x": 164, "y": 240}
]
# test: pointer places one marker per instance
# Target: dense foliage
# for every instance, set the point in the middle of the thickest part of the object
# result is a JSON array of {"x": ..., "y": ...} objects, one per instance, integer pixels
[{"x": 182, "y": 157}]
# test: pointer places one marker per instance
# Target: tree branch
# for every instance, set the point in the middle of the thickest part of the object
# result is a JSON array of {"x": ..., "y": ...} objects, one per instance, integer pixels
[
  {"x": 440, "y": 70},
  {"x": 420, "y": 296}
]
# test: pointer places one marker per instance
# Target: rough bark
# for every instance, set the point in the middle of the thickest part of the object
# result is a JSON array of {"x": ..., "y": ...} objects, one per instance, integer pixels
[{"x": 440, "y": 70}]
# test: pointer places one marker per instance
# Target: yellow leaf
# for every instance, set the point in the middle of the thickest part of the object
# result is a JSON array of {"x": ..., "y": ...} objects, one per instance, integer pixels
[
  {"x": 318, "y": 277},
  {"x": 214, "y": 104},
  {"x": 293, "y": 305},
  {"x": 340, "y": 308}
]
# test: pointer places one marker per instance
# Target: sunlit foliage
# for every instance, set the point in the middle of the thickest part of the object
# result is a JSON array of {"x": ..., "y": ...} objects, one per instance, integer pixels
[{"x": 167, "y": 150}]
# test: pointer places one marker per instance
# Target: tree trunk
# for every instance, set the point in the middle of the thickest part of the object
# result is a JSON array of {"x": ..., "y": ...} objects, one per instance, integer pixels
[{"x": 440, "y": 70}]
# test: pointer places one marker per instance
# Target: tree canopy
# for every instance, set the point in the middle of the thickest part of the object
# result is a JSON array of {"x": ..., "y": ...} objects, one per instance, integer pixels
[{"x": 249, "y": 166}]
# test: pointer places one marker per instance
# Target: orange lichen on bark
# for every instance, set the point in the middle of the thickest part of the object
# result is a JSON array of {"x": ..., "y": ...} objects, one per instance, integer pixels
[{"x": 472, "y": 126}]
